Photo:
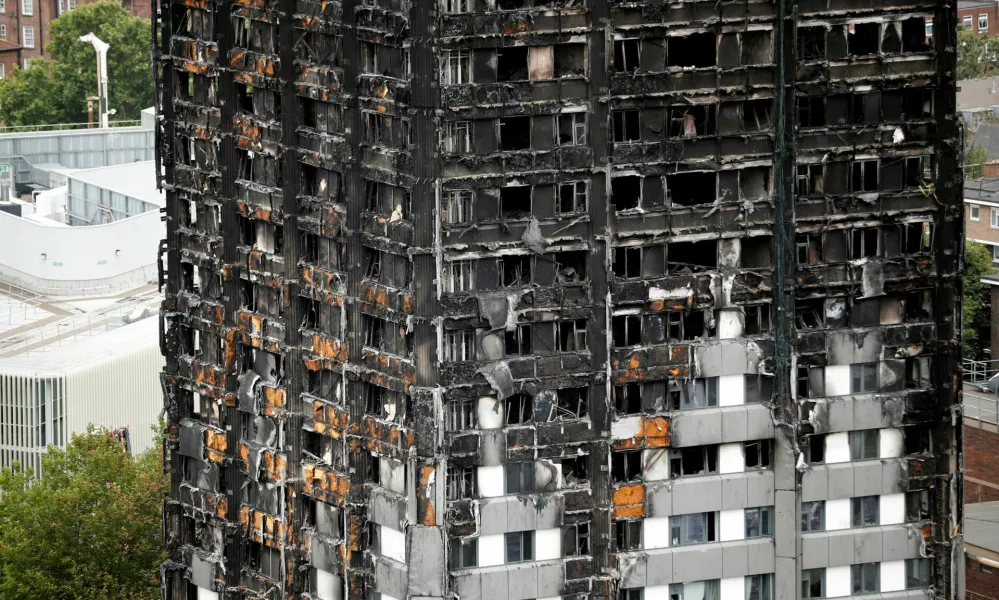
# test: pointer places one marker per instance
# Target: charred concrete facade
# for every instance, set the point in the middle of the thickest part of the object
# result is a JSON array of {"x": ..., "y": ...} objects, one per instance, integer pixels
[{"x": 561, "y": 298}]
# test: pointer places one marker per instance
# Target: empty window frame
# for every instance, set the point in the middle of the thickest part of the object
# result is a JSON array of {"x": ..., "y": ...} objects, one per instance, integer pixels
[
  {"x": 628, "y": 534},
  {"x": 917, "y": 506},
  {"x": 571, "y": 403},
  {"x": 627, "y": 263},
  {"x": 864, "y": 378},
  {"x": 757, "y": 454},
  {"x": 810, "y": 179},
  {"x": 459, "y": 276},
  {"x": 627, "y": 55},
  {"x": 626, "y": 192},
  {"x": 864, "y": 511},
  {"x": 458, "y": 137},
  {"x": 815, "y": 449},
  {"x": 864, "y": 444},
  {"x": 464, "y": 553},
  {"x": 457, "y": 67},
  {"x": 515, "y": 201},
  {"x": 570, "y": 336},
  {"x": 687, "y": 121},
  {"x": 758, "y": 388},
  {"x": 519, "y": 477},
  {"x": 516, "y": 270},
  {"x": 697, "y": 50},
  {"x": 576, "y": 539},
  {"x": 759, "y": 522},
  {"x": 571, "y": 129},
  {"x": 974, "y": 212},
  {"x": 863, "y": 243},
  {"x": 458, "y": 206},
  {"x": 461, "y": 482},
  {"x": 454, "y": 7},
  {"x": 813, "y": 583},
  {"x": 627, "y": 330},
  {"x": 698, "y": 528},
  {"x": 511, "y": 63},
  {"x": 630, "y": 594},
  {"x": 863, "y": 38},
  {"x": 626, "y": 465},
  {"x": 518, "y": 341},
  {"x": 864, "y": 175},
  {"x": 811, "y": 111},
  {"x": 683, "y": 326},
  {"x": 628, "y": 398},
  {"x": 757, "y": 319},
  {"x": 459, "y": 346},
  {"x": 696, "y": 460},
  {"x": 460, "y": 414},
  {"x": 627, "y": 125},
  {"x": 518, "y": 409},
  {"x": 756, "y": 114},
  {"x": 813, "y": 516},
  {"x": 514, "y": 133},
  {"x": 571, "y": 197},
  {"x": 812, "y": 43},
  {"x": 866, "y": 578}
]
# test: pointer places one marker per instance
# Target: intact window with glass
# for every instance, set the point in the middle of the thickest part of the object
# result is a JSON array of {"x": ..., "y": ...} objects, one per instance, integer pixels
[
  {"x": 864, "y": 444},
  {"x": 697, "y": 528},
  {"x": 758, "y": 587},
  {"x": 863, "y": 378},
  {"x": 994, "y": 218},
  {"x": 865, "y": 511},
  {"x": 696, "y": 590},
  {"x": 631, "y": 594},
  {"x": 813, "y": 583},
  {"x": 983, "y": 22},
  {"x": 975, "y": 210},
  {"x": 28, "y": 37},
  {"x": 995, "y": 253},
  {"x": 966, "y": 21},
  {"x": 917, "y": 573},
  {"x": 27, "y": 7},
  {"x": 698, "y": 393},
  {"x": 519, "y": 546},
  {"x": 759, "y": 522},
  {"x": 866, "y": 578},
  {"x": 519, "y": 477},
  {"x": 464, "y": 554},
  {"x": 813, "y": 516}
]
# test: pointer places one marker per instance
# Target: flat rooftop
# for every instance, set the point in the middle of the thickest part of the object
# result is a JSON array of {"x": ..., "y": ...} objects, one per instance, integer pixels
[
  {"x": 985, "y": 189},
  {"x": 41, "y": 334}
]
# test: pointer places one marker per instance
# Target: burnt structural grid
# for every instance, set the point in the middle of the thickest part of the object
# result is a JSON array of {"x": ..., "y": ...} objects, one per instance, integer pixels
[{"x": 537, "y": 299}]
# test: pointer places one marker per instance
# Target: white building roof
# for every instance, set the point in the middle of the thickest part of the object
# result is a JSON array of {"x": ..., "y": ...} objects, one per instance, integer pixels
[
  {"x": 48, "y": 337},
  {"x": 137, "y": 180}
]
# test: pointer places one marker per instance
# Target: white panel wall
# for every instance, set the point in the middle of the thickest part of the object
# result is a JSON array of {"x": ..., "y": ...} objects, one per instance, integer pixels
[
  {"x": 837, "y": 514},
  {"x": 548, "y": 544},
  {"x": 838, "y": 582},
  {"x": 393, "y": 543},
  {"x": 204, "y": 594},
  {"x": 625, "y": 427},
  {"x": 492, "y": 551},
  {"x": 892, "y": 509},
  {"x": 731, "y": 390},
  {"x": 837, "y": 448},
  {"x": 837, "y": 380},
  {"x": 657, "y": 592},
  {"x": 491, "y": 483},
  {"x": 733, "y": 588},
  {"x": 329, "y": 586},
  {"x": 655, "y": 532},
  {"x": 893, "y": 576},
  {"x": 733, "y": 524},
  {"x": 489, "y": 412},
  {"x": 655, "y": 464},
  {"x": 890, "y": 443},
  {"x": 730, "y": 458},
  {"x": 119, "y": 391},
  {"x": 729, "y": 324}
]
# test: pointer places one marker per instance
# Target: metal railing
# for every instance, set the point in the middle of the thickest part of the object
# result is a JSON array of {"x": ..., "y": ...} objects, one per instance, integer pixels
[
  {"x": 980, "y": 403},
  {"x": 65, "y": 126}
]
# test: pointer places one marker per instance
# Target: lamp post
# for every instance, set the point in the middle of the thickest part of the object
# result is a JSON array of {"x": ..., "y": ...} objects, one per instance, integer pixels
[{"x": 102, "y": 75}]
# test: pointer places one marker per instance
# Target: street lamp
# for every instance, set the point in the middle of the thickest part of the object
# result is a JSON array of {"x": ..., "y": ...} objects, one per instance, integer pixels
[{"x": 102, "y": 75}]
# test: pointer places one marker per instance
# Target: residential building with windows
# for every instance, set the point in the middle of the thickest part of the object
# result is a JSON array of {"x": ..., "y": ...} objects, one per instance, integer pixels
[
  {"x": 537, "y": 299},
  {"x": 978, "y": 16}
]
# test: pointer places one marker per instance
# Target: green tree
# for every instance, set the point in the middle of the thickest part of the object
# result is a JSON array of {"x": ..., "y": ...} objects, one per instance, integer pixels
[
  {"x": 976, "y": 56},
  {"x": 56, "y": 90},
  {"x": 89, "y": 528},
  {"x": 974, "y": 157},
  {"x": 977, "y": 299}
]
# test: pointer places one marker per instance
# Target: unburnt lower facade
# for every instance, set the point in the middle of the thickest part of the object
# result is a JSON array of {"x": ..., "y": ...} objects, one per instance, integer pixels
[{"x": 521, "y": 299}]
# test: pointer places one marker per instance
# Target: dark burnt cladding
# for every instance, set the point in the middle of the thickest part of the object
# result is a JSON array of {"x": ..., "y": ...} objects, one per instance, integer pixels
[{"x": 521, "y": 299}]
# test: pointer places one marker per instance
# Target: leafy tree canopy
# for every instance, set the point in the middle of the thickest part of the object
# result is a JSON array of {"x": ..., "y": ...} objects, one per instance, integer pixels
[
  {"x": 89, "y": 528},
  {"x": 977, "y": 299},
  {"x": 56, "y": 90},
  {"x": 976, "y": 56}
]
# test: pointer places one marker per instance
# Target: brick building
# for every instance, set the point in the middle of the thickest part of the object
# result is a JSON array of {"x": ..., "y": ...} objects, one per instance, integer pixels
[
  {"x": 25, "y": 23},
  {"x": 981, "y": 546},
  {"x": 597, "y": 299},
  {"x": 978, "y": 16}
]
